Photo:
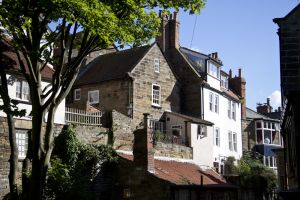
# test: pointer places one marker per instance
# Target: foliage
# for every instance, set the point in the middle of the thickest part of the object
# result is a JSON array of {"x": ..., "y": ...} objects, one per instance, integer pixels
[
  {"x": 230, "y": 168},
  {"x": 77, "y": 29},
  {"x": 253, "y": 174},
  {"x": 74, "y": 165}
]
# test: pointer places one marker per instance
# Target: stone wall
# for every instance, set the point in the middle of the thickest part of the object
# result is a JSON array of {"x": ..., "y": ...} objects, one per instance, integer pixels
[
  {"x": 248, "y": 134},
  {"x": 173, "y": 151},
  {"x": 144, "y": 77},
  {"x": 4, "y": 157}
]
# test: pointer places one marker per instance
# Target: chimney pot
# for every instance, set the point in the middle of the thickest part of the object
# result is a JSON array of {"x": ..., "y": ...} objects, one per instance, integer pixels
[
  {"x": 268, "y": 101},
  {"x": 175, "y": 16},
  {"x": 240, "y": 73},
  {"x": 230, "y": 73}
]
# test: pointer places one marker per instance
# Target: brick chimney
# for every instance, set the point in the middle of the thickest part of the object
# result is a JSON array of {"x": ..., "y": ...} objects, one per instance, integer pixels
[
  {"x": 169, "y": 31},
  {"x": 143, "y": 153},
  {"x": 238, "y": 85},
  {"x": 264, "y": 108}
]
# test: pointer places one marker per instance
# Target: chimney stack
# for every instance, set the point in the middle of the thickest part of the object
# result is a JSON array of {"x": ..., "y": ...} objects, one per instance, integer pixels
[
  {"x": 143, "y": 153},
  {"x": 238, "y": 85},
  {"x": 264, "y": 108},
  {"x": 169, "y": 32}
]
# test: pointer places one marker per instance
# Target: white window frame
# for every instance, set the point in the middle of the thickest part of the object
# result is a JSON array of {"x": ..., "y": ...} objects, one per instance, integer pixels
[
  {"x": 267, "y": 126},
  {"x": 230, "y": 142},
  {"x": 216, "y": 106},
  {"x": 97, "y": 94},
  {"x": 233, "y": 110},
  {"x": 211, "y": 101},
  {"x": 229, "y": 109},
  {"x": 213, "y": 70},
  {"x": 234, "y": 141},
  {"x": 156, "y": 65},
  {"x": 217, "y": 136},
  {"x": 22, "y": 142},
  {"x": 77, "y": 94},
  {"x": 22, "y": 91},
  {"x": 155, "y": 100}
]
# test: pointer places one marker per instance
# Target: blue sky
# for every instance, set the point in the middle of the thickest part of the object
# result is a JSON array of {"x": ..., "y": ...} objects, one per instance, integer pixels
[{"x": 244, "y": 35}]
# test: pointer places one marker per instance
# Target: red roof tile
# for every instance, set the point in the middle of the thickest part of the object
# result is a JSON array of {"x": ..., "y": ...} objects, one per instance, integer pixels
[
  {"x": 9, "y": 59},
  {"x": 182, "y": 173}
]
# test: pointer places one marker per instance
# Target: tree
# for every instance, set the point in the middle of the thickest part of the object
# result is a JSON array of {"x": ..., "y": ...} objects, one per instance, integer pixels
[
  {"x": 256, "y": 176},
  {"x": 10, "y": 108},
  {"x": 101, "y": 23}
]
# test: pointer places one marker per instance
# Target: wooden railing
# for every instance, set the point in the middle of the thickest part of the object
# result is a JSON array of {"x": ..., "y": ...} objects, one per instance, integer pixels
[{"x": 82, "y": 117}]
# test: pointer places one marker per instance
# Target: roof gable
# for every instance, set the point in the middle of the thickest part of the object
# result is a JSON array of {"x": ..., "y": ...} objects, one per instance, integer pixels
[
  {"x": 293, "y": 15},
  {"x": 9, "y": 60},
  {"x": 112, "y": 66}
]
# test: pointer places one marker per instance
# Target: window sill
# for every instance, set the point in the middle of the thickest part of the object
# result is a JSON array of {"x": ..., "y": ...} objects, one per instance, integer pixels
[
  {"x": 23, "y": 101},
  {"x": 156, "y": 106}
]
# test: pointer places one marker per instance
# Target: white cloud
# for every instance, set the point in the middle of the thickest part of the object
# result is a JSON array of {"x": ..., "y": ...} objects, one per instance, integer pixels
[{"x": 275, "y": 99}]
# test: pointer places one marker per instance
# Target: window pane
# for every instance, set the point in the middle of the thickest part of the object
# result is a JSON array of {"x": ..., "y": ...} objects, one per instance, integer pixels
[
  {"x": 229, "y": 109},
  {"x": 234, "y": 142},
  {"x": 156, "y": 94},
  {"x": 230, "y": 140},
  {"x": 258, "y": 124},
  {"x": 259, "y": 136},
  {"x": 210, "y": 101},
  {"x": 216, "y": 103},
  {"x": 18, "y": 89},
  {"x": 267, "y": 136},
  {"x": 25, "y": 90}
]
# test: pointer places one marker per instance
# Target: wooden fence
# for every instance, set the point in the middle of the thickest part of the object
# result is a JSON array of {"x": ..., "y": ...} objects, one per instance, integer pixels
[{"x": 82, "y": 117}]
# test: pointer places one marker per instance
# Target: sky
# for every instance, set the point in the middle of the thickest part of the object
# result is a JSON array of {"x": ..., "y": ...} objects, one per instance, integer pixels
[{"x": 245, "y": 36}]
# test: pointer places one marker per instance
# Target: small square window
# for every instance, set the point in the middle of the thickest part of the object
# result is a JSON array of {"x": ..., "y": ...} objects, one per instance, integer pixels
[
  {"x": 77, "y": 94},
  {"x": 93, "y": 97},
  {"x": 156, "y": 65}
]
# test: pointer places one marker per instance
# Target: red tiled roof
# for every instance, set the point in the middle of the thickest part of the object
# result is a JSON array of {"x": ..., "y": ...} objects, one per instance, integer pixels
[
  {"x": 181, "y": 173},
  {"x": 9, "y": 59},
  {"x": 230, "y": 93}
]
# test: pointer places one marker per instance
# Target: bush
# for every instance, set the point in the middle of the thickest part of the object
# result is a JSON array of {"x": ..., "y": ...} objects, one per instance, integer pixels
[{"x": 74, "y": 165}]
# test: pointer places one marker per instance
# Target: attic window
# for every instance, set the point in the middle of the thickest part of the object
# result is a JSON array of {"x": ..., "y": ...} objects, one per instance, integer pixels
[
  {"x": 93, "y": 97},
  {"x": 77, "y": 94},
  {"x": 156, "y": 65}
]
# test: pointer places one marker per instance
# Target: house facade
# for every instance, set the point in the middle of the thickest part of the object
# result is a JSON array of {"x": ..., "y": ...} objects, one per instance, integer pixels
[
  {"x": 18, "y": 90},
  {"x": 261, "y": 133},
  {"x": 208, "y": 93},
  {"x": 289, "y": 43}
]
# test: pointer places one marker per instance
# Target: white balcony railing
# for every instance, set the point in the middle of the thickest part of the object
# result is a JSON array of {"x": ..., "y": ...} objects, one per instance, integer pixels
[{"x": 82, "y": 117}]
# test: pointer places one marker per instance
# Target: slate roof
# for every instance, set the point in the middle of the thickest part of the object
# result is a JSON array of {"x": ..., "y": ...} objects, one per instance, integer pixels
[
  {"x": 251, "y": 114},
  {"x": 9, "y": 60},
  {"x": 183, "y": 173},
  {"x": 112, "y": 66}
]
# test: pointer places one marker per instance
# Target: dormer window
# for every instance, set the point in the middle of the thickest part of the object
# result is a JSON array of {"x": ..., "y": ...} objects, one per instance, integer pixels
[
  {"x": 213, "y": 70},
  {"x": 224, "y": 81},
  {"x": 156, "y": 65}
]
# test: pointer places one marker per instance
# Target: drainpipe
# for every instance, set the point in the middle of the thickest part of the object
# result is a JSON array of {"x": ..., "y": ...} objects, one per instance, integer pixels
[{"x": 202, "y": 101}]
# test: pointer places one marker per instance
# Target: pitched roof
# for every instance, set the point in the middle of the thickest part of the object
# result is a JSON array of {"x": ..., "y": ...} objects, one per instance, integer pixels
[
  {"x": 251, "y": 114},
  {"x": 112, "y": 66},
  {"x": 183, "y": 173},
  {"x": 191, "y": 119},
  {"x": 278, "y": 20},
  {"x": 9, "y": 60}
]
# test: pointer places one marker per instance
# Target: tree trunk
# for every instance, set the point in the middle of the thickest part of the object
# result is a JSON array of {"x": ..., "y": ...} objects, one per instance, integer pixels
[
  {"x": 37, "y": 179},
  {"x": 13, "y": 171}
]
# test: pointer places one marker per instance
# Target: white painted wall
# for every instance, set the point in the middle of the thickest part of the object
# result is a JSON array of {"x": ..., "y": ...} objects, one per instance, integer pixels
[
  {"x": 225, "y": 124},
  {"x": 60, "y": 113},
  {"x": 202, "y": 146},
  {"x": 213, "y": 82}
]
